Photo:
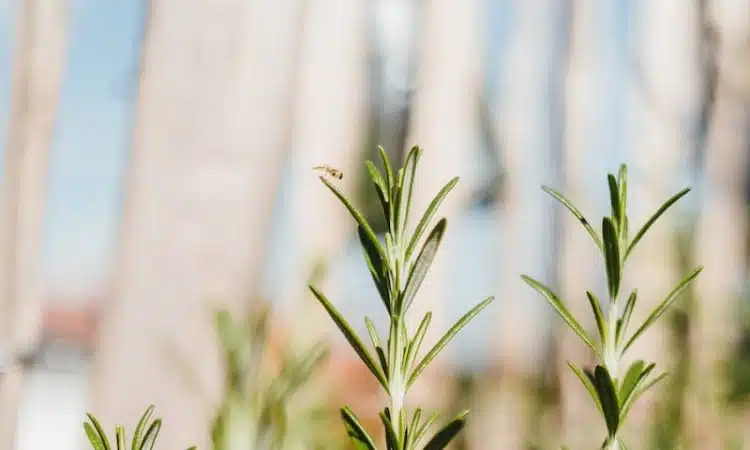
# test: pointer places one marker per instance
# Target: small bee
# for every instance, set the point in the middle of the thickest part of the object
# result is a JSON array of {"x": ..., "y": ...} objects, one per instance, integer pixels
[{"x": 330, "y": 171}]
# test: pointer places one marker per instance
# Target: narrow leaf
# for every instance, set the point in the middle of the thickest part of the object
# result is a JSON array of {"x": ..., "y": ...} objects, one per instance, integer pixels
[
  {"x": 391, "y": 435},
  {"x": 659, "y": 310},
  {"x": 608, "y": 397},
  {"x": 427, "y": 217},
  {"x": 422, "y": 265},
  {"x": 351, "y": 337},
  {"x": 639, "y": 389},
  {"x": 410, "y": 169},
  {"x": 423, "y": 429},
  {"x": 136, "y": 444},
  {"x": 381, "y": 188},
  {"x": 653, "y": 219},
  {"x": 387, "y": 166},
  {"x": 376, "y": 267},
  {"x": 614, "y": 200},
  {"x": 369, "y": 233},
  {"x": 120, "y": 437},
  {"x": 601, "y": 324},
  {"x": 561, "y": 310},
  {"x": 447, "y": 338},
  {"x": 99, "y": 431},
  {"x": 632, "y": 376},
  {"x": 622, "y": 184},
  {"x": 612, "y": 257},
  {"x": 416, "y": 343},
  {"x": 355, "y": 431},
  {"x": 622, "y": 323},
  {"x": 150, "y": 437},
  {"x": 93, "y": 436},
  {"x": 578, "y": 215},
  {"x": 587, "y": 383},
  {"x": 443, "y": 437}
]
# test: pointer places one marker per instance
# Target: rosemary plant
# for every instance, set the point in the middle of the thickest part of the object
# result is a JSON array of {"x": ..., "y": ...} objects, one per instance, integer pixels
[
  {"x": 398, "y": 270},
  {"x": 254, "y": 413},
  {"x": 143, "y": 438},
  {"x": 614, "y": 395}
]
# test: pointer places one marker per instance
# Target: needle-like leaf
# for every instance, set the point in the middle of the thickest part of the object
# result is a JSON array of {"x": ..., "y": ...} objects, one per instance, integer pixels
[
  {"x": 150, "y": 437},
  {"x": 608, "y": 397},
  {"x": 587, "y": 383},
  {"x": 427, "y": 217},
  {"x": 614, "y": 199},
  {"x": 356, "y": 432},
  {"x": 421, "y": 266},
  {"x": 577, "y": 213},
  {"x": 100, "y": 431},
  {"x": 351, "y": 337},
  {"x": 561, "y": 310},
  {"x": 447, "y": 337},
  {"x": 136, "y": 444},
  {"x": 612, "y": 257},
  {"x": 410, "y": 169},
  {"x": 659, "y": 310},
  {"x": 443, "y": 437},
  {"x": 601, "y": 324},
  {"x": 653, "y": 219}
]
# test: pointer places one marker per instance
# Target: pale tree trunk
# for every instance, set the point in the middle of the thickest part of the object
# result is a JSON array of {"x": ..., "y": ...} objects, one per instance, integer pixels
[
  {"x": 37, "y": 75},
  {"x": 443, "y": 124},
  {"x": 530, "y": 127},
  {"x": 328, "y": 129},
  {"x": 215, "y": 87},
  {"x": 721, "y": 233},
  {"x": 663, "y": 110}
]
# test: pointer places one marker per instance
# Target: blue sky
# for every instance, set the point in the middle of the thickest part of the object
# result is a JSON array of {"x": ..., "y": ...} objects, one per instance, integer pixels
[{"x": 91, "y": 135}]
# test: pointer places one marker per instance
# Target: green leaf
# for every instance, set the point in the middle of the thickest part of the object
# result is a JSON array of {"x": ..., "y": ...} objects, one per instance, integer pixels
[
  {"x": 416, "y": 343},
  {"x": 612, "y": 257},
  {"x": 391, "y": 435},
  {"x": 93, "y": 436},
  {"x": 380, "y": 185},
  {"x": 136, "y": 444},
  {"x": 578, "y": 215},
  {"x": 659, "y": 310},
  {"x": 427, "y": 217},
  {"x": 120, "y": 437},
  {"x": 410, "y": 169},
  {"x": 608, "y": 398},
  {"x": 653, "y": 219},
  {"x": 561, "y": 310},
  {"x": 150, "y": 437},
  {"x": 412, "y": 429},
  {"x": 632, "y": 376},
  {"x": 387, "y": 167},
  {"x": 447, "y": 338},
  {"x": 624, "y": 320},
  {"x": 351, "y": 337},
  {"x": 355, "y": 431},
  {"x": 369, "y": 233},
  {"x": 297, "y": 372},
  {"x": 419, "y": 435},
  {"x": 622, "y": 184},
  {"x": 376, "y": 267},
  {"x": 99, "y": 431},
  {"x": 601, "y": 324},
  {"x": 614, "y": 199},
  {"x": 587, "y": 383},
  {"x": 443, "y": 437},
  {"x": 632, "y": 392},
  {"x": 422, "y": 265}
]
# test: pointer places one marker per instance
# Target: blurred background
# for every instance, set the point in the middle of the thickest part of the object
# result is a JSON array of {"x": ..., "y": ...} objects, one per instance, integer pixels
[{"x": 156, "y": 165}]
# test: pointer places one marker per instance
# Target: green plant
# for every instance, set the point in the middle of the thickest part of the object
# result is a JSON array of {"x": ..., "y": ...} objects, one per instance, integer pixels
[
  {"x": 254, "y": 413},
  {"x": 398, "y": 270},
  {"x": 614, "y": 396},
  {"x": 143, "y": 438}
]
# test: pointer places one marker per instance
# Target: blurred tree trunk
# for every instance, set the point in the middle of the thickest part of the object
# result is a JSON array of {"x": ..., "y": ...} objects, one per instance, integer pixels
[
  {"x": 582, "y": 182},
  {"x": 35, "y": 92},
  {"x": 531, "y": 125},
  {"x": 443, "y": 124},
  {"x": 215, "y": 91},
  {"x": 328, "y": 128},
  {"x": 666, "y": 104},
  {"x": 721, "y": 231}
]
